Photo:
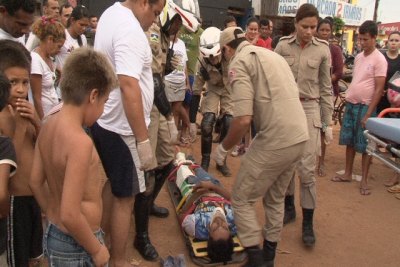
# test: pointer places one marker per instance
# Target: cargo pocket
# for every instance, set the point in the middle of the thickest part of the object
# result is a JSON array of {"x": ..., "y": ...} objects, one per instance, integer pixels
[
  {"x": 313, "y": 67},
  {"x": 289, "y": 60},
  {"x": 317, "y": 123}
]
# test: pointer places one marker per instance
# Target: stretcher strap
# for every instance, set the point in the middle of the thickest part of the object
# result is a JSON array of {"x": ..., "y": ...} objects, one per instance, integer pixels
[{"x": 173, "y": 172}]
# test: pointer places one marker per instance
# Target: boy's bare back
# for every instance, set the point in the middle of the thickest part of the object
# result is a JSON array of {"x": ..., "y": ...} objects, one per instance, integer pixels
[{"x": 71, "y": 166}]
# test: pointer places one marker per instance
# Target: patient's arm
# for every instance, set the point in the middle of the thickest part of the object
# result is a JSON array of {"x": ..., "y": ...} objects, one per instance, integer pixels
[{"x": 207, "y": 185}]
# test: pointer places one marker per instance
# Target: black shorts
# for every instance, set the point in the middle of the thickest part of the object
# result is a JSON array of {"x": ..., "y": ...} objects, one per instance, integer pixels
[
  {"x": 117, "y": 162},
  {"x": 24, "y": 230}
]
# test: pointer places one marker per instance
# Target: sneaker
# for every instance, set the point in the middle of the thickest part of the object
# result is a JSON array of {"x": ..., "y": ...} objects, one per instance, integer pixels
[{"x": 235, "y": 151}]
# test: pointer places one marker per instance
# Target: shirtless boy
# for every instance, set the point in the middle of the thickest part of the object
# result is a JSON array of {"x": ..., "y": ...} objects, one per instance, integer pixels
[
  {"x": 20, "y": 122},
  {"x": 66, "y": 159}
]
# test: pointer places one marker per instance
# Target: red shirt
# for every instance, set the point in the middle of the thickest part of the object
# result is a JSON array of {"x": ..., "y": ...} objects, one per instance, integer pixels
[
  {"x": 261, "y": 42},
  {"x": 268, "y": 43}
]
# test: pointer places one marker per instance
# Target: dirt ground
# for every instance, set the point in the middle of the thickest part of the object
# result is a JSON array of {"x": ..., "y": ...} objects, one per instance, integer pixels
[{"x": 351, "y": 230}]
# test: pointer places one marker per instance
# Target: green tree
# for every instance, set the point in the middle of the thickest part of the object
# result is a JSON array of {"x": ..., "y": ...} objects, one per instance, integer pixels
[{"x": 338, "y": 25}]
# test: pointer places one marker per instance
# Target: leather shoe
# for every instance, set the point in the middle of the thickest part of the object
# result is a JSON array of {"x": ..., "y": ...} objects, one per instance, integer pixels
[
  {"x": 159, "y": 212},
  {"x": 145, "y": 248}
]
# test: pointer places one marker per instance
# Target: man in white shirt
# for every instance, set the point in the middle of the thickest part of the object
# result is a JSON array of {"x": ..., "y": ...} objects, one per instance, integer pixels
[
  {"x": 120, "y": 134},
  {"x": 16, "y": 19}
]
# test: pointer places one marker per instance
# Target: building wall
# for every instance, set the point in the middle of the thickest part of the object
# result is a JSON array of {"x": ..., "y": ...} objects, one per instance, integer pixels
[{"x": 214, "y": 12}]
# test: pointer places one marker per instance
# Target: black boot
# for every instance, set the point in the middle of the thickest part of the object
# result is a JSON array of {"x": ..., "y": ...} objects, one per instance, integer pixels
[
  {"x": 290, "y": 210},
  {"x": 142, "y": 242},
  {"x": 207, "y": 125},
  {"x": 255, "y": 258},
  {"x": 308, "y": 231},
  {"x": 224, "y": 170},
  {"x": 160, "y": 177},
  {"x": 205, "y": 161},
  {"x": 269, "y": 252}
]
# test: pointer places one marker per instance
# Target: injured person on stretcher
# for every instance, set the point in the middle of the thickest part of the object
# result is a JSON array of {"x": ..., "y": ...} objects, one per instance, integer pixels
[{"x": 206, "y": 213}]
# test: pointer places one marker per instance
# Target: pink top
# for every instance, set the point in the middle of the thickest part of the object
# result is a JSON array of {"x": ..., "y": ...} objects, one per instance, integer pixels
[{"x": 366, "y": 69}]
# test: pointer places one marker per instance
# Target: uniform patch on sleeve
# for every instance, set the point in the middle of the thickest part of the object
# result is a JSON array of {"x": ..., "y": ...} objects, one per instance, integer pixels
[
  {"x": 231, "y": 75},
  {"x": 154, "y": 37}
]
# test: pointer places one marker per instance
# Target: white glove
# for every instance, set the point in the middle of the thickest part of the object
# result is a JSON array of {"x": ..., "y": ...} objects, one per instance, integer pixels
[
  {"x": 193, "y": 130},
  {"x": 219, "y": 155},
  {"x": 175, "y": 61},
  {"x": 173, "y": 132},
  {"x": 145, "y": 153},
  {"x": 328, "y": 135}
]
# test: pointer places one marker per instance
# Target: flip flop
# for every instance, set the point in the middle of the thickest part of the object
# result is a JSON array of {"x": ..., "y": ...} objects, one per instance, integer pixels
[
  {"x": 365, "y": 191},
  {"x": 390, "y": 183},
  {"x": 394, "y": 189},
  {"x": 339, "y": 179}
]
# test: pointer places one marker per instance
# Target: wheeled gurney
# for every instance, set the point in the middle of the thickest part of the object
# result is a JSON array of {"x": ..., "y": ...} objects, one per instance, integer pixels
[
  {"x": 383, "y": 137},
  {"x": 182, "y": 199}
]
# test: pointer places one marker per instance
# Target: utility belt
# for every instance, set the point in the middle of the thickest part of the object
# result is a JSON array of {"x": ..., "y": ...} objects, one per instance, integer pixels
[{"x": 305, "y": 99}]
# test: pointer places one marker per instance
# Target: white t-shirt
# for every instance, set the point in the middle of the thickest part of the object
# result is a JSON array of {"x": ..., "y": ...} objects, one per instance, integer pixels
[
  {"x": 178, "y": 76},
  {"x": 6, "y": 36},
  {"x": 69, "y": 45},
  {"x": 120, "y": 36},
  {"x": 49, "y": 95},
  {"x": 32, "y": 42}
]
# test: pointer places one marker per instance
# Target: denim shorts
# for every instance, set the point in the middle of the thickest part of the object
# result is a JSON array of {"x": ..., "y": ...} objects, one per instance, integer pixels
[
  {"x": 352, "y": 132},
  {"x": 62, "y": 250}
]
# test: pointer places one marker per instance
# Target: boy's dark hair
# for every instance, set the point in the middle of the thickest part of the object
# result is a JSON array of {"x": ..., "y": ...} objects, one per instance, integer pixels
[
  {"x": 83, "y": 71},
  {"x": 251, "y": 20},
  {"x": 13, "y": 6},
  {"x": 306, "y": 11},
  {"x": 370, "y": 27},
  {"x": 264, "y": 22},
  {"x": 5, "y": 87},
  {"x": 220, "y": 250},
  {"x": 14, "y": 54},
  {"x": 229, "y": 19},
  {"x": 79, "y": 12}
]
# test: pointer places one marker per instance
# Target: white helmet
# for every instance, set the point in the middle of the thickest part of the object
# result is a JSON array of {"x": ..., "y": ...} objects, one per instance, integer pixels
[
  {"x": 209, "y": 42},
  {"x": 171, "y": 10}
]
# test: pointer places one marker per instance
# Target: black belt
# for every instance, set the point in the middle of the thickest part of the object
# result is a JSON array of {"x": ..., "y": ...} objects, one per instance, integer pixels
[{"x": 308, "y": 98}]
